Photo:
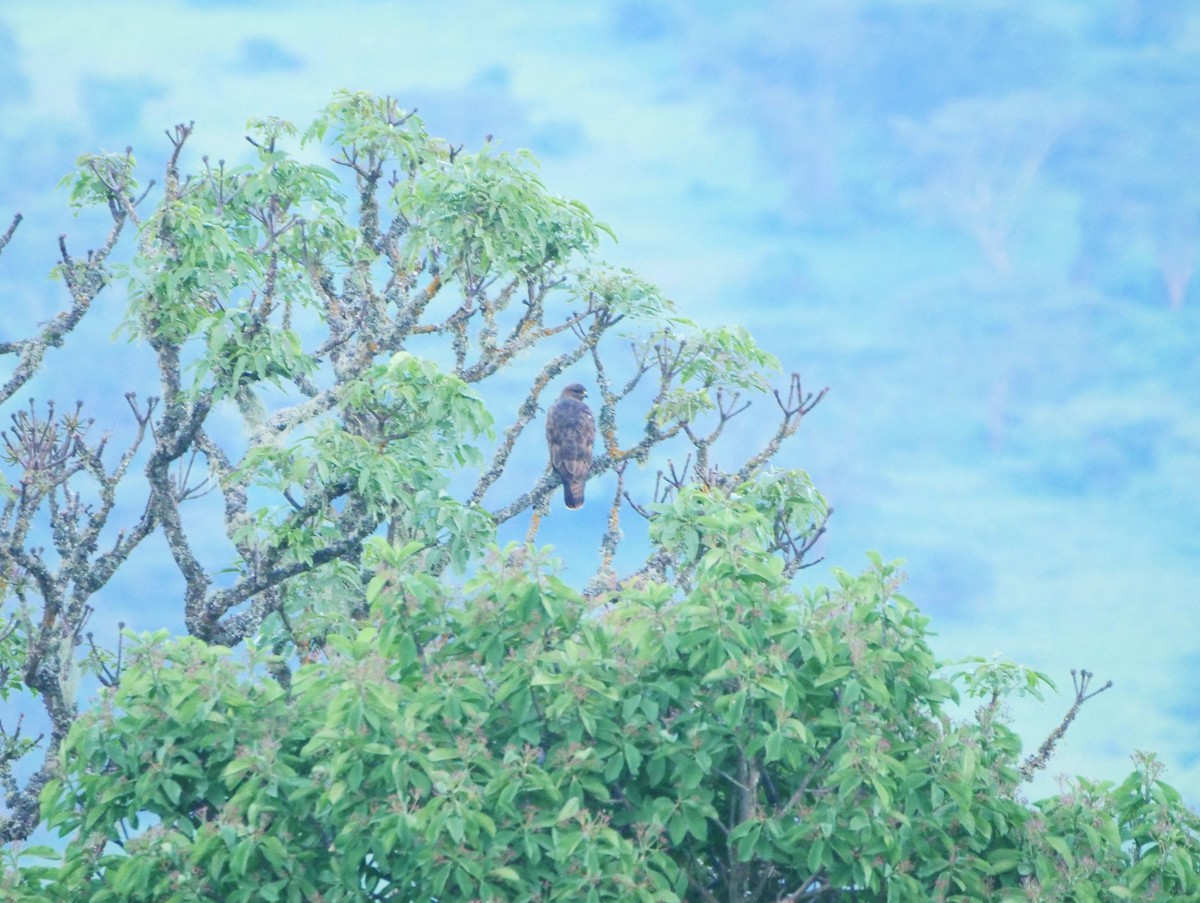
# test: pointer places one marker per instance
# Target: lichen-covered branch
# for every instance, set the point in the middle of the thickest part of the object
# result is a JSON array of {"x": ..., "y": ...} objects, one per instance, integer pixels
[
  {"x": 1037, "y": 761},
  {"x": 84, "y": 279}
]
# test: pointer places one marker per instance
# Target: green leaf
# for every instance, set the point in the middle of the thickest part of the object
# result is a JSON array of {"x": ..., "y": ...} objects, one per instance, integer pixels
[
  {"x": 746, "y": 841},
  {"x": 569, "y": 810},
  {"x": 1001, "y": 861},
  {"x": 506, "y": 873},
  {"x": 832, "y": 675},
  {"x": 1060, "y": 846}
]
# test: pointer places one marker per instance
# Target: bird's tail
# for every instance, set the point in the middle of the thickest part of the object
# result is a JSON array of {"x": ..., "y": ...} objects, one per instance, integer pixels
[{"x": 573, "y": 494}]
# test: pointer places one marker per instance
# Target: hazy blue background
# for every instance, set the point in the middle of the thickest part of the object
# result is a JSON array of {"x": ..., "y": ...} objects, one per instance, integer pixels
[{"x": 976, "y": 222}]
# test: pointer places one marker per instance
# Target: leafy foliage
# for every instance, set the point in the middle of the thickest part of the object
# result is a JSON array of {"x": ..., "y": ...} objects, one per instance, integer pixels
[
  {"x": 693, "y": 730},
  {"x": 518, "y": 742}
]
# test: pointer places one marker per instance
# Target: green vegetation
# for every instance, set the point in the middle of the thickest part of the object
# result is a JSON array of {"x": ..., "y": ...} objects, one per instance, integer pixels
[{"x": 376, "y": 702}]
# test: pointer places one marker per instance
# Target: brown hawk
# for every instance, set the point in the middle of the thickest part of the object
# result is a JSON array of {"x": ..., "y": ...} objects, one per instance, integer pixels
[{"x": 570, "y": 433}]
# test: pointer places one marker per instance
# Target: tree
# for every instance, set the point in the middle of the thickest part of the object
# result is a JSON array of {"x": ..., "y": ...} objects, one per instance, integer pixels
[
  {"x": 412, "y": 712},
  {"x": 343, "y": 337}
]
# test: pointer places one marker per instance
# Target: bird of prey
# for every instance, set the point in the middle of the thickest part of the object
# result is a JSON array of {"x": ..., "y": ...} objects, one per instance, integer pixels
[{"x": 570, "y": 433}]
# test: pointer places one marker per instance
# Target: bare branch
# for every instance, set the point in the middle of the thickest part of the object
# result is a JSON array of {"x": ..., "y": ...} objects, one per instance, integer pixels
[
  {"x": 84, "y": 280},
  {"x": 605, "y": 577},
  {"x": 8, "y": 233},
  {"x": 1036, "y": 762},
  {"x": 794, "y": 410},
  {"x": 795, "y": 548}
]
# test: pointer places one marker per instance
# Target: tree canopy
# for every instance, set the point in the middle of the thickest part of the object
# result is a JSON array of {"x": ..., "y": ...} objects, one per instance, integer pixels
[{"x": 374, "y": 700}]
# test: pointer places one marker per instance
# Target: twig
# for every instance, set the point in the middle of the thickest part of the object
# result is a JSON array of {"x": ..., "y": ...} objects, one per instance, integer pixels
[{"x": 1081, "y": 680}]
